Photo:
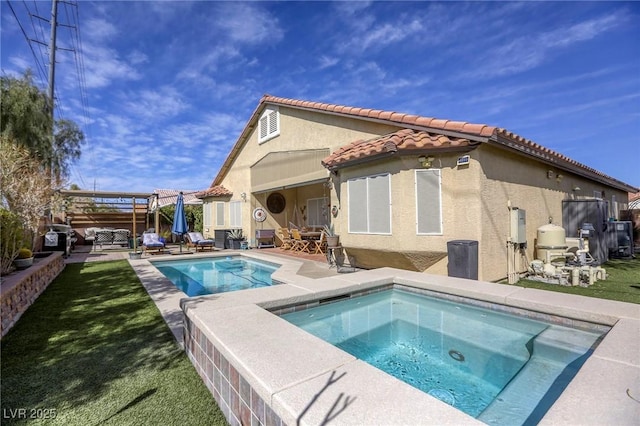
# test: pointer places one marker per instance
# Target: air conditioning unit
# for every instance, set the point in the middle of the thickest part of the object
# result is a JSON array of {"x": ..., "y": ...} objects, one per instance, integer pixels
[{"x": 620, "y": 239}]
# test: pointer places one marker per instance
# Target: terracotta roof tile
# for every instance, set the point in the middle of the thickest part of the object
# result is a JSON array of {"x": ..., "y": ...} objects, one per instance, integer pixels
[
  {"x": 214, "y": 191},
  {"x": 491, "y": 134},
  {"x": 405, "y": 140}
]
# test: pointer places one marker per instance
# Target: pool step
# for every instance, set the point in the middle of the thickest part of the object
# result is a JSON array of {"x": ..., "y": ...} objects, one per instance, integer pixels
[{"x": 557, "y": 355}]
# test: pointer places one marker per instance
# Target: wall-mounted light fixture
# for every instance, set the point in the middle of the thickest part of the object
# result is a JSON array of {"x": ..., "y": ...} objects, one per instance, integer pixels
[
  {"x": 549, "y": 174},
  {"x": 559, "y": 178},
  {"x": 426, "y": 161},
  {"x": 243, "y": 196},
  {"x": 575, "y": 188}
]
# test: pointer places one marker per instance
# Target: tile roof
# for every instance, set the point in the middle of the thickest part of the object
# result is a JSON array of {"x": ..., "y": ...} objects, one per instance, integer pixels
[
  {"x": 455, "y": 130},
  {"x": 214, "y": 191},
  {"x": 406, "y": 140},
  {"x": 167, "y": 197}
]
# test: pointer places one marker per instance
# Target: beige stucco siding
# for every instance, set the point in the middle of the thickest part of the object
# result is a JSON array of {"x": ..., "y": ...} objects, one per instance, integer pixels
[
  {"x": 526, "y": 184},
  {"x": 299, "y": 130},
  {"x": 459, "y": 205}
]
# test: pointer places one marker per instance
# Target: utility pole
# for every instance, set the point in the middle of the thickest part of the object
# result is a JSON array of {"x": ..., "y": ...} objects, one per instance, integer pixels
[
  {"x": 52, "y": 51},
  {"x": 52, "y": 79}
]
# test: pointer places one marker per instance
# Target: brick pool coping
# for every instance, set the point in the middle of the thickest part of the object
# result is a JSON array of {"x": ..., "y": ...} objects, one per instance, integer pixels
[{"x": 264, "y": 370}]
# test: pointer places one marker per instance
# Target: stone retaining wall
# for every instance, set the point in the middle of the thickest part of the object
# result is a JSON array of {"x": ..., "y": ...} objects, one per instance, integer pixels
[{"x": 20, "y": 289}]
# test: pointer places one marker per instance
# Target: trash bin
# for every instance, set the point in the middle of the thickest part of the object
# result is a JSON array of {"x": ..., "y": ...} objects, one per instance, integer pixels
[{"x": 463, "y": 259}]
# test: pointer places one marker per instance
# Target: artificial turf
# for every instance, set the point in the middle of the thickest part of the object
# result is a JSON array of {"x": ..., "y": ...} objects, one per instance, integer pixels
[
  {"x": 622, "y": 283},
  {"x": 94, "y": 349}
]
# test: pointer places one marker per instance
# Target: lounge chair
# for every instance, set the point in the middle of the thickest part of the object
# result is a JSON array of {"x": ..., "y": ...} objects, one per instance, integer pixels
[
  {"x": 151, "y": 243},
  {"x": 195, "y": 239}
]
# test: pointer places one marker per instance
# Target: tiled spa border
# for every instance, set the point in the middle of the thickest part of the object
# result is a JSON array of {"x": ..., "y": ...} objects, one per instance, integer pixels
[{"x": 239, "y": 402}]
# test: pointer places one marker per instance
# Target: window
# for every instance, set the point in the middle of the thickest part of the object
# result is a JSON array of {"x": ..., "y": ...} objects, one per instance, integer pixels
[
  {"x": 206, "y": 214},
  {"x": 428, "y": 202},
  {"x": 597, "y": 194},
  {"x": 317, "y": 211},
  {"x": 613, "y": 208},
  {"x": 269, "y": 124},
  {"x": 235, "y": 214},
  {"x": 220, "y": 214},
  {"x": 370, "y": 204}
]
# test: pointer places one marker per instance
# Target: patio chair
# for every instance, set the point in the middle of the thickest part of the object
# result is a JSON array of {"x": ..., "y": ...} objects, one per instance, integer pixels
[
  {"x": 300, "y": 245},
  {"x": 103, "y": 236},
  {"x": 285, "y": 238},
  {"x": 121, "y": 237},
  {"x": 320, "y": 245},
  {"x": 151, "y": 243},
  {"x": 197, "y": 240}
]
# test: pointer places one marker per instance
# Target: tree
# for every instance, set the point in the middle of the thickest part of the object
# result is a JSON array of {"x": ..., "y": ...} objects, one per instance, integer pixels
[
  {"x": 27, "y": 120},
  {"x": 26, "y": 116},
  {"x": 26, "y": 191}
]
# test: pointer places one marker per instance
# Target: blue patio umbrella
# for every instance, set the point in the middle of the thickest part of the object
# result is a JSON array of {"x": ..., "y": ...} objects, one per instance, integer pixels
[{"x": 179, "y": 226}]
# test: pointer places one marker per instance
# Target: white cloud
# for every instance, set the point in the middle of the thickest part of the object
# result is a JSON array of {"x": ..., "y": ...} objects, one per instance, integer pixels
[
  {"x": 155, "y": 105},
  {"x": 136, "y": 57},
  {"x": 327, "y": 61},
  {"x": 248, "y": 23},
  {"x": 529, "y": 51},
  {"x": 97, "y": 29}
]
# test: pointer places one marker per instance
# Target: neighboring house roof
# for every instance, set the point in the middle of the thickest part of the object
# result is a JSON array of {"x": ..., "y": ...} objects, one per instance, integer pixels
[
  {"x": 167, "y": 197},
  {"x": 214, "y": 191},
  {"x": 634, "y": 200},
  {"x": 454, "y": 130}
]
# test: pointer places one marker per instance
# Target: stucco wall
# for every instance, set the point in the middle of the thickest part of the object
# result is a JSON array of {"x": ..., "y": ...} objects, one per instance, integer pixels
[
  {"x": 460, "y": 206},
  {"x": 300, "y": 130},
  {"x": 474, "y": 204},
  {"x": 526, "y": 184}
]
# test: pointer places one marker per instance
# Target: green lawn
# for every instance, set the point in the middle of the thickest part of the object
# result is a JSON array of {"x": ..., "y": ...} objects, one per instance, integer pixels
[
  {"x": 95, "y": 349},
  {"x": 622, "y": 283}
]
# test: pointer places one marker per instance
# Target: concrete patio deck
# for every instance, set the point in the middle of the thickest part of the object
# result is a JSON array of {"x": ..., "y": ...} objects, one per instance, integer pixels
[{"x": 287, "y": 369}]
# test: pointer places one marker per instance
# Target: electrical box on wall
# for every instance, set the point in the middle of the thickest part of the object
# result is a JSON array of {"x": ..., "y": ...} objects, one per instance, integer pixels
[{"x": 518, "y": 226}]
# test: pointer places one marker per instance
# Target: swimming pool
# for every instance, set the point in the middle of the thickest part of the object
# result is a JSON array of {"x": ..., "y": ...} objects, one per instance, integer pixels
[
  {"x": 497, "y": 367},
  {"x": 196, "y": 277}
]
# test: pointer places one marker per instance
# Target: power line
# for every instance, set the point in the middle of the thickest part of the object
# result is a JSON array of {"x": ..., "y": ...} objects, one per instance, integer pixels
[{"x": 26, "y": 37}]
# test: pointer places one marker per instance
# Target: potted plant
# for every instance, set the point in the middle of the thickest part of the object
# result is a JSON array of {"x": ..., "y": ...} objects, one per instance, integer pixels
[
  {"x": 333, "y": 240},
  {"x": 24, "y": 259},
  {"x": 235, "y": 238}
]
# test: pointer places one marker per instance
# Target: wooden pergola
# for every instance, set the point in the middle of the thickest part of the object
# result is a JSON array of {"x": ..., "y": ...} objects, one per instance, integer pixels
[{"x": 118, "y": 203}]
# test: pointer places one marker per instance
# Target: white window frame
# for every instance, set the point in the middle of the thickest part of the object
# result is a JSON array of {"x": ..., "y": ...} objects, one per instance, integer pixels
[
  {"x": 219, "y": 209},
  {"x": 597, "y": 194},
  {"x": 324, "y": 218},
  {"x": 440, "y": 231},
  {"x": 269, "y": 124},
  {"x": 368, "y": 206},
  {"x": 235, "y": 214}
]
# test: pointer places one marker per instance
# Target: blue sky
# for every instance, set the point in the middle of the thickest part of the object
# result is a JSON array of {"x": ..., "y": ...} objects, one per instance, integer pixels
[{"x": 163, "y": 89}]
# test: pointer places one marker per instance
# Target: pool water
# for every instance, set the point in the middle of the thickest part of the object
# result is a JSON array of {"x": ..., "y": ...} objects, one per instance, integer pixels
[
  {"x": 499, "y": 368},
  {"x": 216, "y": 275}
]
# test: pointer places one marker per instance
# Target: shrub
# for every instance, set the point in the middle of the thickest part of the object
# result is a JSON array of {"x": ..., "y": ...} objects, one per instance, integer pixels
[
  {"x": 235, "y": 234},
  {"x": 25, "y": 253},
  {"x": 12, "y": 237}
]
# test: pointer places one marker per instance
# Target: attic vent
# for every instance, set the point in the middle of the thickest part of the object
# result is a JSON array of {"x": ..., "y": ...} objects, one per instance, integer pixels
[{"x": 269, "y": 124}]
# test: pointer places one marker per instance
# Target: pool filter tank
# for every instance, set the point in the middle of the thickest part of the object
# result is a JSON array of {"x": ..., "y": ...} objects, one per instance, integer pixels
[{"x": 551, "y": 244}]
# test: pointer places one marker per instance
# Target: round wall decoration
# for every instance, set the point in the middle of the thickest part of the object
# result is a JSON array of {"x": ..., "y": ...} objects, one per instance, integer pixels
[
  {"x": 259, "y": 215},
  {"x": 276, "y": 203}
]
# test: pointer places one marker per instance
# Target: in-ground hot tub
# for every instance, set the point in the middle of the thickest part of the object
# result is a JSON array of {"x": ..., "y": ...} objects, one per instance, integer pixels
[{"x": 261, "y": 368}]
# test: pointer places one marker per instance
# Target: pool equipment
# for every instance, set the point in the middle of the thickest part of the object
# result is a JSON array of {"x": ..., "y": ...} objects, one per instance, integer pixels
[{"x": 565, "y": 261}]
